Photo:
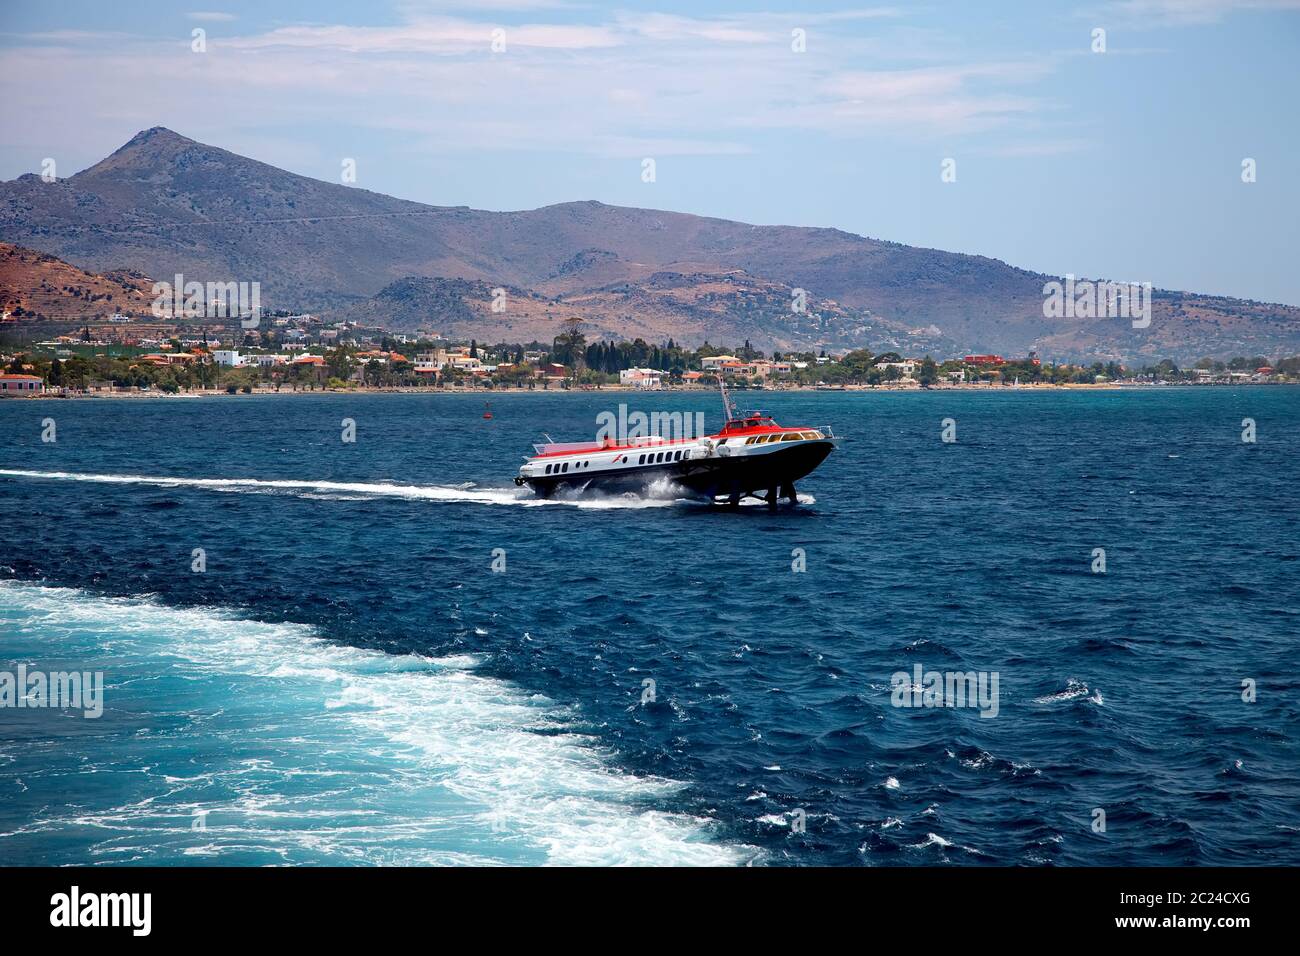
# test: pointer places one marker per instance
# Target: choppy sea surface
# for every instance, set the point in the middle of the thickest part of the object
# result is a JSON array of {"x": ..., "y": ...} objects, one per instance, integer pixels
[{"x": 650, "y": 681}]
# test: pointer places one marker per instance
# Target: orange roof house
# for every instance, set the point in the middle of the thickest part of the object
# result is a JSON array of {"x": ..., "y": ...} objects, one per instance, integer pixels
[{"x": 20, "y": 384}]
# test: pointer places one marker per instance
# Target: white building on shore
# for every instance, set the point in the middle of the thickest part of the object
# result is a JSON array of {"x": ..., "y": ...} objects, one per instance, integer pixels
[{"x": 642, "y": 377}]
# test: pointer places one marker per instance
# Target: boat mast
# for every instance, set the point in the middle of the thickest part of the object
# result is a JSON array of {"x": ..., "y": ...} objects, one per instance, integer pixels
[{"x": 728, "y": 412}]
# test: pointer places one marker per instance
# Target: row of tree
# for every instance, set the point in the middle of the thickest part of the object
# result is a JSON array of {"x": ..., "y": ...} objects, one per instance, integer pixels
[{"x": 596, "y": 363}]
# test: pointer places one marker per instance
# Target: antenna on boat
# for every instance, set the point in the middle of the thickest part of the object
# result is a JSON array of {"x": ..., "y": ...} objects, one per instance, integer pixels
[{"x": 728, "y": 412}]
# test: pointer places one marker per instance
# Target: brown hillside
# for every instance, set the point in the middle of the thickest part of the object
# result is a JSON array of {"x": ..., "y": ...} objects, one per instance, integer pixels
[{"x": 36, "y": 286}]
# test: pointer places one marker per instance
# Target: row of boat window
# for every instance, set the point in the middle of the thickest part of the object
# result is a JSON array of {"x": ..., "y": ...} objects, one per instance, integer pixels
[
  {"x": 788, "y": 436},
  {"x": 652, "y": 458},
  {"x": 655, "y": 458},
  {"x": 564, "y": 466}
]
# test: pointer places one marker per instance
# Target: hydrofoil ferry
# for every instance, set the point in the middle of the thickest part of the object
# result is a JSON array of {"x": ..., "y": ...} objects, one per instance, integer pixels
[{"x": 751, "y": 457}]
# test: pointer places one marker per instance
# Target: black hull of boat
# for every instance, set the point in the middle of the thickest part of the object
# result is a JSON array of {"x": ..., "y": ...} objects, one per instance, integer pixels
[{"x": 710, "y": 478}]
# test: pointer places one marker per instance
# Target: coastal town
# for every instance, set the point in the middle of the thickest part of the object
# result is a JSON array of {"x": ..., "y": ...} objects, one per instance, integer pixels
[{"x": 127, "y": 355}]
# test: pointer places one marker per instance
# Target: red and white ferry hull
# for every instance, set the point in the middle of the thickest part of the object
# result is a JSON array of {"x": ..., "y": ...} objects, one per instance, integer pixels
[{"x": 751, "y": 457}]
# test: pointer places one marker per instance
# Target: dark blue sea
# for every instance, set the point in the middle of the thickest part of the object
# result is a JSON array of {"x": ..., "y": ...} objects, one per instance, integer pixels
[{"x": 347, "y": 680}]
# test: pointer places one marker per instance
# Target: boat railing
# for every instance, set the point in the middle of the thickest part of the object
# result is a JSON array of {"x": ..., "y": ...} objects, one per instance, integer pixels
[
  {"x": 559, "y": 447},
  {"x": 556, "y": 447},
  {"x": 641, "y": 441}
]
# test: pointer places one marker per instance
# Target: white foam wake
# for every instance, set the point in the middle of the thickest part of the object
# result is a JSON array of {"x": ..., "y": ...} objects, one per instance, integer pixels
[
  {"x": 660, "y": 494},
  {"x": 407, "y": 759},
  {"x": 465, "y": 493},
  {"x": 1074, "y": 690}
]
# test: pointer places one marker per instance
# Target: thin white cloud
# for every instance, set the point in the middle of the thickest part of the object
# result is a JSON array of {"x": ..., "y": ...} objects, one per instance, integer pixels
[
  {"x": 753, "y": 28},
  {"x": 668, "y": 28},
  {"x": 1159, "y": 13},
  {"x": 415, "y": 8},
  {"x": 430, "y": 37},
  {"x": 211, "y": 16},
  {"x": 957, "y": 99},
  {"x": 72, "y": 37},
  {"x": 630, "y": 147}
]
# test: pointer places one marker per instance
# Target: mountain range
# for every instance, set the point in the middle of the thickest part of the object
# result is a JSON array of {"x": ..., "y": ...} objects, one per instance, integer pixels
[{"x": 164, "y": 204}]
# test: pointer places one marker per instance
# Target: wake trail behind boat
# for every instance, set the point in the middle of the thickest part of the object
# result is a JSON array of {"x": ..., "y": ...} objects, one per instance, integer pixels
[
  {"x": 336, "y": 754},
  {"x": 465, "y": 493},
  {"x": 660, "y": 495}
]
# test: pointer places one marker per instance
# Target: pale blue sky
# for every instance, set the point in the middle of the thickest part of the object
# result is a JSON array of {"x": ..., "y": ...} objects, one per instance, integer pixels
[{"x": 1124, "y": 164}]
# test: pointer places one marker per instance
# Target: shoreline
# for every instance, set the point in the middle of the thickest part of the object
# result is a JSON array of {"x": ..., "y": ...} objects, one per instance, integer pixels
[{"x": 488, "y": 394}]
